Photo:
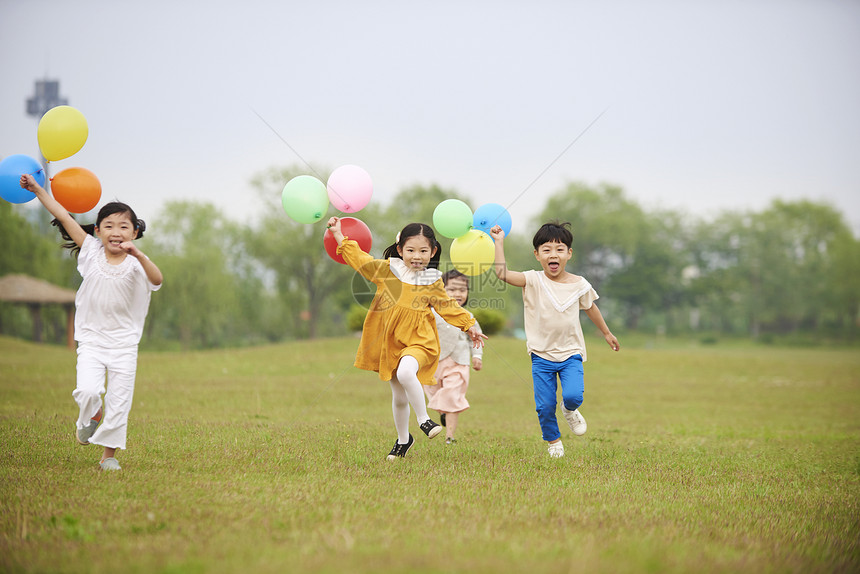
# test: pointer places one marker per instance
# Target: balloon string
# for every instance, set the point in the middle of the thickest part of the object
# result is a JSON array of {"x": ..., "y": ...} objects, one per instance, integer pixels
[
  {"x": 48, "y": 178},
  {"x": 558, "y": 157},
  {"x": 298, "y": 155},
  {"x": 546, "y": 169}
]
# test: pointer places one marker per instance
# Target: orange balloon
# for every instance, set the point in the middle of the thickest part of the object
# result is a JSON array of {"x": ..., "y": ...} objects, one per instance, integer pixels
[{"x": 77, "y": 189}]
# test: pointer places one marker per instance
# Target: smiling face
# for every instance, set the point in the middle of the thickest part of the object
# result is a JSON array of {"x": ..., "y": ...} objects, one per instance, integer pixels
[
  {"x": 416, "y": 252},
  {"x": 115, "y": 229},
  {"x": 458, "y": 289},
  {"x": 553, "y": 256}
]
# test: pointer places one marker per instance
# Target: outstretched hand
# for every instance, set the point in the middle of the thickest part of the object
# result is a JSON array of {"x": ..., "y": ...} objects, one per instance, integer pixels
[
  {"x": 476, "y": 336},
  {"x": 612, "y": 341}
]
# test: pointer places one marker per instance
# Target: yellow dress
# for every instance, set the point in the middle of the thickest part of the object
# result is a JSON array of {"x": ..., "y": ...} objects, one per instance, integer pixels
[{"x": 400, "y": 320}]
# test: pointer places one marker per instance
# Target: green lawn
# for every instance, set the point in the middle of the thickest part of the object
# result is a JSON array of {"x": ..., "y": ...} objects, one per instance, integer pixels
[{"x": 721, "y": 458}]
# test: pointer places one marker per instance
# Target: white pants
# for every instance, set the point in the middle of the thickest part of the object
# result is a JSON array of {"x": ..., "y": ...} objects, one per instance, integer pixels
[{"x": 120, "y": 366}]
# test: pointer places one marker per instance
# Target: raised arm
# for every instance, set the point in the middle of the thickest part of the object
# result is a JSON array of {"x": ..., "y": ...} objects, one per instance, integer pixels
[
  {"x": 515, "y": 278},
  {"x": 334, "y": 228},
  {"x": 597, "y": 318},
  {"x": 362, "y": 262},
  {"x": 72, "y": 227}
]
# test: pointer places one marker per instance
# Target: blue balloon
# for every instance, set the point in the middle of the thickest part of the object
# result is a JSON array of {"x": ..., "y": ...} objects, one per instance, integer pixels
[
  {"x": 491, "y": 214},
  {"x": 11, "y": 170}
]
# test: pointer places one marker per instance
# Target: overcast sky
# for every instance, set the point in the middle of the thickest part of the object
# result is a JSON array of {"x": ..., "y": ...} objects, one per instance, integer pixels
[{"x": 706, "y": 105}]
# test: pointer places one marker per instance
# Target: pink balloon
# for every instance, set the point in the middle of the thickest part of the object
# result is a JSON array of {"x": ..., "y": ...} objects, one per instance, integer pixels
[{"x": 349, "y": 188}]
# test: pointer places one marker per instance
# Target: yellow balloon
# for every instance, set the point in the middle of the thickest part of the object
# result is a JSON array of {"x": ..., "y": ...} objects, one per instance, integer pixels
[
  {"x": 62, "y": 132},
  {"x": 473, "y": 253}
]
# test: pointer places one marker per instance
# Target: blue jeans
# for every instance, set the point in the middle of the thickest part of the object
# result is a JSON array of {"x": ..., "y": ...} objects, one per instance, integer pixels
[{"x": 571, "y": 377}]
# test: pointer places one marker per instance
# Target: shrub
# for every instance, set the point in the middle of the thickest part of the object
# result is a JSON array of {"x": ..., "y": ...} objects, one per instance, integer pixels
[
  {"x": 491, "y": 320},
  {"x": 355, "y": 318}
]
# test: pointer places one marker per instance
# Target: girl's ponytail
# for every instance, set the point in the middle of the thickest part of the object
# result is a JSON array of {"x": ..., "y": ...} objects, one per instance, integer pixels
[
  {"x": 69, "y": 242},
  {"x": 140, "y": 225},
  {"x": 434, "y": 261},
  {"x": 390, "y": 251}
]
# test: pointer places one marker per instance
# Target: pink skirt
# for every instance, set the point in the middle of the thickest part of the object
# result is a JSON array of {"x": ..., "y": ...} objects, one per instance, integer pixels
[{"x": 449, "y": 394}]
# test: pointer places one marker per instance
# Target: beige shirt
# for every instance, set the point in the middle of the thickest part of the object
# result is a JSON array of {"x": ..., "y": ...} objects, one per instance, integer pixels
[{"x": 553, "y": 330}]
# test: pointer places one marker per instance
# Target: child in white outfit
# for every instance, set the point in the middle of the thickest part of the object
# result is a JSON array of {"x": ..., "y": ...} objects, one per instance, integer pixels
[
  {"x": 448, "y": 396},
  {"x": 111, "y": 306}
]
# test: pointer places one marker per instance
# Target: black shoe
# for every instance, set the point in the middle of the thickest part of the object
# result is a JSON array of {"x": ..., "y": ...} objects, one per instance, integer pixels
[
  {"x": 430, "y": 428},
  {"x": 400, "y": 449},
  {"x": 442, "y": 419}
]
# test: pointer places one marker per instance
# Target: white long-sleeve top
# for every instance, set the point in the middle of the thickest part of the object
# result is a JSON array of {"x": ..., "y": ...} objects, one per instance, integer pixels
[{"x": 455, "y": 342}]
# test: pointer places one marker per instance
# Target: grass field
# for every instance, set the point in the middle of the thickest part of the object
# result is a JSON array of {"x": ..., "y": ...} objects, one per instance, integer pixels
[{"x": 709, "y": 459}]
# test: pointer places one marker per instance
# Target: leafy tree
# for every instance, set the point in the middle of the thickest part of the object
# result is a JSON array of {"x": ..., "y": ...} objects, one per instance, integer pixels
[
  {"x": 617, "y": 245},
  {"x": 775, "y": 269},
  {"x": 416, "y": 203},
  {"x": 305, "y": 277},
  {"x": 843, "y": 301},
  {"x": 650, "y": 278},
  {"x": 28, "y": 251},
  {"x": 211, "y": 295},
  {"x": 606, "y": 227}
]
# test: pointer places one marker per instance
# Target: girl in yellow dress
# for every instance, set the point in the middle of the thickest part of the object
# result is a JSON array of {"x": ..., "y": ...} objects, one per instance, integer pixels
[{"x": 399, "y": 338}]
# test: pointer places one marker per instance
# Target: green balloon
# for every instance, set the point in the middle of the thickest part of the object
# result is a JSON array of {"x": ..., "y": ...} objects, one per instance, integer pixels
[
  {"x": 452, "y": 218},
  {"x": 305, "y": 199}
]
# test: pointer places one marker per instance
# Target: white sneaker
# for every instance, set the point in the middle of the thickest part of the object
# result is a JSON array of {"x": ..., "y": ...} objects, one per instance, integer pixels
[
  {"x": 556, "y": 449},
  {"x": 575, "y": 421},
  {"x": 110, "y": 464}
]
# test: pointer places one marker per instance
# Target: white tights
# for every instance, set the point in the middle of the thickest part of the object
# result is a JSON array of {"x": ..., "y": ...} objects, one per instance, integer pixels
[{"x": 406, "y": 390}]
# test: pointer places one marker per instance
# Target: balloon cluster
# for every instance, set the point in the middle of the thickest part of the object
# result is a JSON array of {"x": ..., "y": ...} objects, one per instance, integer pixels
[
  {"x": 62, "y": 132},
  {"x": 349, "y": 189},
  {"x": 472, "y": 251}
]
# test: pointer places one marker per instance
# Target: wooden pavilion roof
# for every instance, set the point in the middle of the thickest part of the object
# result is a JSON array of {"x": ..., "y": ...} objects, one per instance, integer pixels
[{"x": 25, "y": 289}]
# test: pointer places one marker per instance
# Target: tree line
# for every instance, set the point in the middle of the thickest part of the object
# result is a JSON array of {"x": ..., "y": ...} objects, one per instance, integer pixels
[{"x": 791, "y": 269}]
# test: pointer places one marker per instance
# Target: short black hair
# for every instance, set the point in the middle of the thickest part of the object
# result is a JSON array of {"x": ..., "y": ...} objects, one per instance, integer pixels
[{"x": 553, "y": 232}]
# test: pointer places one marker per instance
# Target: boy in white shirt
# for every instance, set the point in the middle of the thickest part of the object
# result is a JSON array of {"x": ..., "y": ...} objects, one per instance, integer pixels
[{"x": 552, "y": 299}]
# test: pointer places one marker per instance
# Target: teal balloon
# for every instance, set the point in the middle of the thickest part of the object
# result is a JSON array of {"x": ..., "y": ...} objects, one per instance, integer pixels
[
  {"x": 11, "y": 170},
  {"x": 305, "y": 199},
  {"x": 452, "y": 218}
]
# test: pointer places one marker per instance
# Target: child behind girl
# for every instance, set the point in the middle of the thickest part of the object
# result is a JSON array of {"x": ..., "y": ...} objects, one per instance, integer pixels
[
  {"x": 111, "y": 306},
  {"x": 449, "y": 396},
  {"x": 399, "y": 338}
]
